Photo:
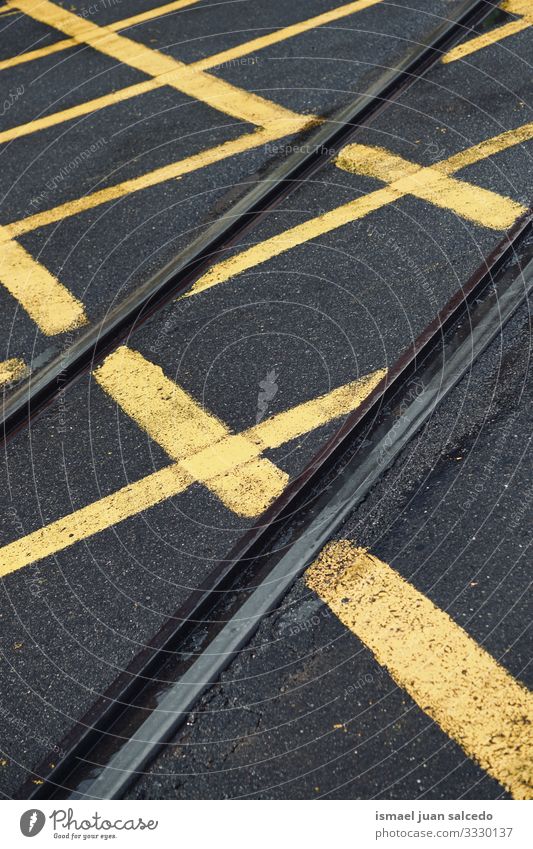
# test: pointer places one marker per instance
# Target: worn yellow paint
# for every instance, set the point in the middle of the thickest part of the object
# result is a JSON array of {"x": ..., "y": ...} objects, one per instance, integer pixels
[
  {"x": 524, "y": 8},
  {"x": 179, "y": 425},
  {"x": 196, "y": 84},
  {"x": 66, "y": 43},
  {"x": 255, "y": 44},
  {"x": 53, "y": 308},
  {"x": 77, "y": 111},
  {"x": 496, "y": 210},
  {"x": 203, "y": 64},
  {"x": 473, "y": 699},
  {"x": 144, "y": 181},
  {"x": 407, "y": 178},
  {"x": 11, "y": 370},
  {"x": 225, "y": 457}
]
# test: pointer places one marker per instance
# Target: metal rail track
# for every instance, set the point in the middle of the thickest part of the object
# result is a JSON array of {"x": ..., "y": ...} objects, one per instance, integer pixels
[
  {"x": 110, "y": 713},
  {"x": 134, "y": 725},
  {"x": 40, "y": 389}
]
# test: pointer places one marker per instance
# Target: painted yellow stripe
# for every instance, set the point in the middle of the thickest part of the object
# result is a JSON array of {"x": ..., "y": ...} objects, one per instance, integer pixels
[
  {"x": 12, "y": 369},
  {"x": 196, "y": 84},
  {"x": 179, "y": 425},
  {"x": 152, "y": 178},
  {"x": 44, "y": 298},
  {"x": 39, "y": 53},
  {"x": 500, "y": 209},
  {"x": 282, "y": 34},
  {"x": 66, "y": 43},
  {"x": 473, "y": 699},
  {"x": 406, "y": 178},
  {"x": 77, "y": 111},
  {"x": 211, "y": 61},
  {"x": 524, "y": 8},
  {"x": 155, "y": 488}
]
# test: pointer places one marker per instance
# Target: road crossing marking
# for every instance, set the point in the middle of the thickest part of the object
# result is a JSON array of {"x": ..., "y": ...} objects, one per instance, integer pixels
[
  {"x": 208, "y": 62},
  {"x": 458, "y": 684},
  {"x": 495, "y": 211},
  {"x": 182, "y": 428},
  {"x": 524, "y": 8},
  {"x": 67, "y": 43},
  {"x": 225, "y": 457},
  {"x": 50, "y": 304},
  {"x": 12, "y": 369},
  {"x": 211, "y": 90}
]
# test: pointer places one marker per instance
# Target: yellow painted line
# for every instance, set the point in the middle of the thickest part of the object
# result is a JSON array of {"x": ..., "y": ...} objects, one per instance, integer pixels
[
  {"x": 458, "y": 684},
  {"x": 179, "y": 425},
  {"x": 11, "y": 370},
  {"x": 282, "y": 34},
  {"x": 39, "y": 53},
  {"x": 196, "y": 84},
  {"x": 192, "y": 163},
  {"x": 77, "y": 111},
  {"x": 496, "y": 209},
  {"x": 407, "y": 178},
  {"x": 524, "y": 8},
  {"x": 211, "y": 61},
  {"x": 44, "y": 298},
  {"x": 222, "y": 458},
  {"x": 66, "y": 43}
]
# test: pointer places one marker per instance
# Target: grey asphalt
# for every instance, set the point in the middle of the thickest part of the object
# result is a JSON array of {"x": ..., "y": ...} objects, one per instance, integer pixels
[
  {"x": 100, "y": 255},
  {"x": 306, "y": 712},
  {"x": 321, "y": 315}
]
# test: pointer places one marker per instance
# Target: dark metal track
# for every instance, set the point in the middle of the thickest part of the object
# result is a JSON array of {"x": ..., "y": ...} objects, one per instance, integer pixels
[
  {"x": 438, "y": 358},
  {"x": 40, "y": 389}
]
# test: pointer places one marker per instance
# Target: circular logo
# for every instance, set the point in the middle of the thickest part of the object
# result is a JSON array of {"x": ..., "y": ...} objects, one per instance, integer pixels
[{"x": 32, "y": 822}]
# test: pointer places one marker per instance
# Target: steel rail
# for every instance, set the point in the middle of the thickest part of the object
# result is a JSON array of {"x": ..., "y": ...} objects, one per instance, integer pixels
[
  {"x": 40, "y": 389},
  {"x": 444, "y": 351}
]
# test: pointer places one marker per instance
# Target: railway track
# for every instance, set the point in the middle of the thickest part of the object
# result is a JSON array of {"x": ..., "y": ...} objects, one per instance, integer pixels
[
  {"x": 129, "y": 728},
  {"x": 142, "y": 710},
  {"x": 108, "y": 748}
]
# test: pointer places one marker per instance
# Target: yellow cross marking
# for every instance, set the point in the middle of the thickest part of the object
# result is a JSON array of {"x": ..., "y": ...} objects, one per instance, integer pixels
[
  {"x": 252, "y": 46},
  {"x": 462, "y": 688},
  {"x": 196, "y": 84},
  {"x": 229, "y": 464},
  {"x": 523, "y": 8},
  {"x": 432, "y": 184},
  {"x": 67, "y": 43}
]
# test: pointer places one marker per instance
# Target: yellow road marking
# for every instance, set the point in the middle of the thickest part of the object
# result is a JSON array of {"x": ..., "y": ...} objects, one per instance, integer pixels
[
  {"x": 282, "y": 34},
  {"x": 496, "y": 211},
  {"x": 222, "y": 458},
  {"x": 44, "y": 298},
  {"x": 203, "y": 64},
  {"x": 196, "y": 84},
  {"x": 524, "y": 8},
  {"x": 144, "y": 181},
  {"x": 12, "y": 369},
  {"x": 407, "y": 178},
  {"x": 66, "y": 43},
  {"x": 179, "y": 425},
  {"x": 462, "y": 688}
]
